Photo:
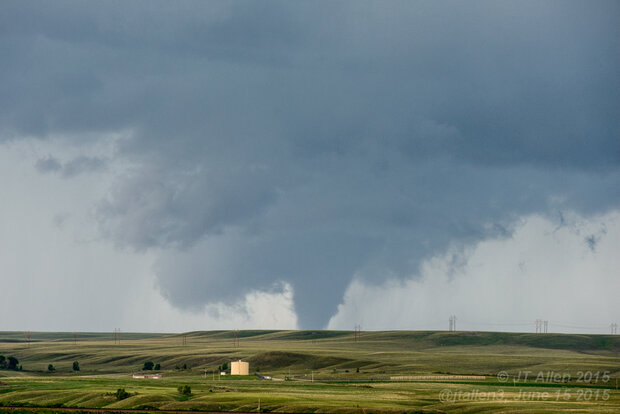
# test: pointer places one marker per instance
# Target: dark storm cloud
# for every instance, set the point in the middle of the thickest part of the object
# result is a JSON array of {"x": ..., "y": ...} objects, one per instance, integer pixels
[
  {"x": 305, "y": 143},
  {"x": 47, "y": 165},
  {"x": 76, "y": 166},
  {"x": 168, "y": 209}
]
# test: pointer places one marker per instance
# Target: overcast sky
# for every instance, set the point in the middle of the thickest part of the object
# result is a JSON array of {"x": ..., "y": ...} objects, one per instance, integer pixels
[{"x": 172, "y": 166}]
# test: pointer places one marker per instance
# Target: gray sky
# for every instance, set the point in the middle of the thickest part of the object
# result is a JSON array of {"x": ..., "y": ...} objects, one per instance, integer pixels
[{"x": 261, "y": 164}]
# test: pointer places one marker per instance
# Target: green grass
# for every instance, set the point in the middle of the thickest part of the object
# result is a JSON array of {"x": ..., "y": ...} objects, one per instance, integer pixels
[{"x": 330, "y": 357}]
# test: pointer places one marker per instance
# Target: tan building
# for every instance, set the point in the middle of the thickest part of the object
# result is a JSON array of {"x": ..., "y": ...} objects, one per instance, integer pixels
[{"x": 239, "y": 368}]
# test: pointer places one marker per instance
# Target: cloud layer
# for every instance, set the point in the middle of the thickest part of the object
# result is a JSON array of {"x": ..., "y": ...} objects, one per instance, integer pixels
[
  {"x": 57, "y": 274},
  {"x": 310, "y": 145},
  {"x": 547, "y": 271}
]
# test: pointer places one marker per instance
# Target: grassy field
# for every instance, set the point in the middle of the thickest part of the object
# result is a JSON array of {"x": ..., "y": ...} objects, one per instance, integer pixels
[{"x": 320, "y": 371}]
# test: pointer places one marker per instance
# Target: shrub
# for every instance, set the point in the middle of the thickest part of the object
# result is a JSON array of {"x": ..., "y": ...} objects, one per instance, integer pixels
[
  {"x": 76, "y": 366},
  {"x": 157, "y": 367},
  {"x": 51, "y": 368},
  {"x": 148, "y": 365},
  {"x": 185, "y": 390}
]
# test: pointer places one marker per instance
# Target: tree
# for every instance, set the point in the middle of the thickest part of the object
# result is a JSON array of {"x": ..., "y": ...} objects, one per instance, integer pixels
[
  {"x": 225, "y": 366},
  {"x": 121, "y": 394},
  {"x": 51, "y": 368},
  {"x": 76, "y": 366},
  {"x": 2, "y": 362},
  {"x": 12, "y": 362},
  {"x": 184, "y": 366},
  {"x": 157, "y": 367},
  {"x": 185, "y": 390},
  {"x": 148, "y": 365}
]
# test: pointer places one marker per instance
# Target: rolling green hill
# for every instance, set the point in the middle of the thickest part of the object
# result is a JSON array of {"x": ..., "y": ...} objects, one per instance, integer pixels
[{"x": 347, "y": 372}]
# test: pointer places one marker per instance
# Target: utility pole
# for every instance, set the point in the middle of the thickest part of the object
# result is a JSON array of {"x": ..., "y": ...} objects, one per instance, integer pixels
[
  {"x": 614, "y": 328},
  {"x": 74, "y": 338},
  {"x": 27, "y": 337},
  {"x": 236, "y": 338}
]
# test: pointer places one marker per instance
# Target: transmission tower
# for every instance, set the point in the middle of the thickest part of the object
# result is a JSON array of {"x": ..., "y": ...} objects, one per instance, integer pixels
[
  {"x": 538, "y": 325},
  {"x": 27, "y": 337},
  {"x": 117, "y": 336},
  {"x": 614, "y": 328},
  {"x": 358, "y": 331},
  {"x": 74, "y": 338},
  {"x": 452, "y": 327},
  {"x": 184, "y": 339},
  {"x": 236, "y": 338},
  {"x": 545, "y": 325}
]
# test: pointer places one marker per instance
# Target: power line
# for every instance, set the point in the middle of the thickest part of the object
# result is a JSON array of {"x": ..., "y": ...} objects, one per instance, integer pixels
[
  {"x": 497, "y": 323},
  {"x": 540, "y": 325},
  {"x": 570, "y": 325}
]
